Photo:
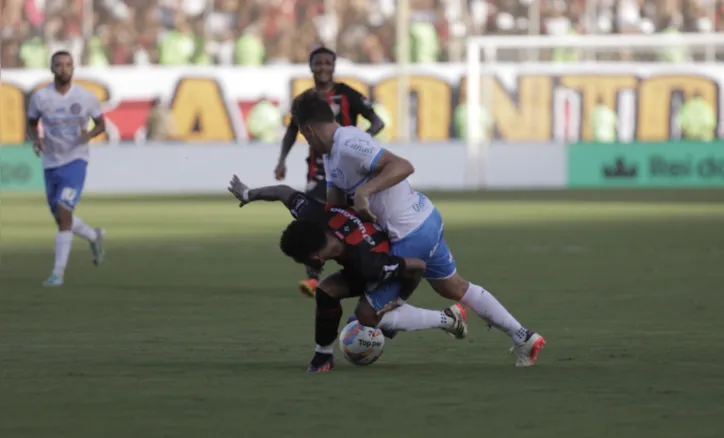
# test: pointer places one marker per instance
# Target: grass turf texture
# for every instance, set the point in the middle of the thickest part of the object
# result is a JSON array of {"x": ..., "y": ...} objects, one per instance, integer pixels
[{"x": 193, "y": 327}]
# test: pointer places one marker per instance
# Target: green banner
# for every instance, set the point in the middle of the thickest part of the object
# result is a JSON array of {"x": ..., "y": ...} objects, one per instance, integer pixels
[
  {"x": 20, "y": 169},
  {"x": 671, "y": 164}
]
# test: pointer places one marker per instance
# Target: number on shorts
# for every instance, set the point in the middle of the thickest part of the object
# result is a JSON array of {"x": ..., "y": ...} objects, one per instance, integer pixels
[{"x": 68, "y": 195}]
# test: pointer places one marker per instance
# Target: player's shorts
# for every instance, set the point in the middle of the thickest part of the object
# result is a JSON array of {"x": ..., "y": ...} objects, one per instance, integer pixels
[
  {"x": 378, "y": 296},
  {"x": 317, "y": 190},
  {"x": 64, "y": 184},
  {"x": 427, "y": 242}
]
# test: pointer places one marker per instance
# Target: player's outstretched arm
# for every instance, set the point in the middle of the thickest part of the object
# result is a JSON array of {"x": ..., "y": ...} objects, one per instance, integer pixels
[{"x": 270, "y": 193}]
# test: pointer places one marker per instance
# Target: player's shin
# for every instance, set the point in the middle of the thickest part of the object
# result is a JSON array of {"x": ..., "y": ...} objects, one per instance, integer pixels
[
  {"x": 326, "y": 326},
  {"x": 83, "y": 230},
  {"x": 410, "y": 318},
  {"x": 484, "y": 304},
  {"x": 63, "y": 243}
]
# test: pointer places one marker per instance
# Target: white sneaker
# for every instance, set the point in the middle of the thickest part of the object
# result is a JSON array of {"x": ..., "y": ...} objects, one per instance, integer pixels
[
  {"x": 53, "y": 281},
  {"x": 97, "y": 250},
  {"x": 459, "y": 328},
  {"x": 527, "y": 352}
]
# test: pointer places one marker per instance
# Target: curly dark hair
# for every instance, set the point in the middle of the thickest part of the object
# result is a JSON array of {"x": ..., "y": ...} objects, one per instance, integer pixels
[
  {"x": 301, "y": 239},
  {"x": 311, "y": 107}
]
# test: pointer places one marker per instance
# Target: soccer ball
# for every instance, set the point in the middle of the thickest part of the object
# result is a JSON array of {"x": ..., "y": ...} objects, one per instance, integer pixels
[{"x": 361, "y": 345}]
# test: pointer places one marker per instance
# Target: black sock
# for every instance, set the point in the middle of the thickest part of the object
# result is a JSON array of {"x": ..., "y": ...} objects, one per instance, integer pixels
[
  {"x": 326, "y": 323},
  {"x": 312, "y": 273}
]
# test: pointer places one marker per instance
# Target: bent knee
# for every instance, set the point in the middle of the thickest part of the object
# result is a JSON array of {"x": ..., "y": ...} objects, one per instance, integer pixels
[{"x": 452, "y": 288}]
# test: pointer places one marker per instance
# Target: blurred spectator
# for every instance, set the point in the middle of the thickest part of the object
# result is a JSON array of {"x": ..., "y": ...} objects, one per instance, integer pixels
[
  {"x": 160, "y": 125},
  {"x": 697, "y": 119},
  {"x": 256, "y": 32}
]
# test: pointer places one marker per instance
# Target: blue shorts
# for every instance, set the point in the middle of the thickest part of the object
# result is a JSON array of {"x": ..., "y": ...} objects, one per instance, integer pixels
[
  {"x": 64, "y": 184},
  {"x": 426, "y": 242}
]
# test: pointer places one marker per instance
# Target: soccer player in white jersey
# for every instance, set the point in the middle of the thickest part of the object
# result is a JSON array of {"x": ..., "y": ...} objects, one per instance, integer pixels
[
  {"x": 377, "y": 179},
  {"x": 65, "y": 109}
]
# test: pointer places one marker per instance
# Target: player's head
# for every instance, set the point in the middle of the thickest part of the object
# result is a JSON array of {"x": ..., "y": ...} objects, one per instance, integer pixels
[
  {"x": 314, "y": 117},
  {"x": 61, "y": 64},
  {"x": 306, "y": 242},
  {"x": 321, "y": 62}
]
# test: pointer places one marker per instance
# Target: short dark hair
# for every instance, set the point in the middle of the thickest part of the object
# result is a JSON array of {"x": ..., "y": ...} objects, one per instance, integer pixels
[
  {"x": 301, "y": 239},
  {"x": 311, "y": 107},
  {"x": 319, "y": 50},
  {"x": 59, "y": 53}
]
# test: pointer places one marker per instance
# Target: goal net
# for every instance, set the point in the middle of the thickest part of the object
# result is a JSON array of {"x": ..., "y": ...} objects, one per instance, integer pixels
[{"x": 590, "y": 88}]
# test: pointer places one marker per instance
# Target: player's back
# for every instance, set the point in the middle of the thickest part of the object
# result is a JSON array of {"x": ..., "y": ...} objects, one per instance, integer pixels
[
  {"x": 64, "y": 119},
  {"x": 353, "y": 160}
]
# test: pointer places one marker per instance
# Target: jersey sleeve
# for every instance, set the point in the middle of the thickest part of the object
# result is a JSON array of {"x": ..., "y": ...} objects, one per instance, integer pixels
[
  {"x": 33, "y": 112},
  {"x": 363, "y": 151},
  {"x": 94, "y": 107},
  {"x": 358, "y": 103},
  {"x": 303, "y": 207}
]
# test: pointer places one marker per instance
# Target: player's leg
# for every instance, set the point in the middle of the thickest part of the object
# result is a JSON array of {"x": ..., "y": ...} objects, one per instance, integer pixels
[
  {"x": 317, "y": 190},
  {"x": 328, "y": 298},
  {"x": 443, "y": 277},
  {"x": 428, "y": 243},
  {"x": 73, "y": 180},
  {"x": 64, "y": 191},
  {"x": 371, "y": 312}
]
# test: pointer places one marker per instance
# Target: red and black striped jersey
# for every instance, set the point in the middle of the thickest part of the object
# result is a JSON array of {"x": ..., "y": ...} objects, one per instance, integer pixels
[
  {"x": 348, "y": 104},
  {"x": 367, "y": 251}
]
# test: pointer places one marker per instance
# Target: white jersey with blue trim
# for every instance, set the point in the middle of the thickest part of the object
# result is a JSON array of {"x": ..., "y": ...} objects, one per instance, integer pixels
[
  {"x": 352, "y": 161},
  {"x": 64, "y": 117}
]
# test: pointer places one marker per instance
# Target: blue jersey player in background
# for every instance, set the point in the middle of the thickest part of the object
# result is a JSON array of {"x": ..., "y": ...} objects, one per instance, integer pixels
[{"x": 65, "y": 109}]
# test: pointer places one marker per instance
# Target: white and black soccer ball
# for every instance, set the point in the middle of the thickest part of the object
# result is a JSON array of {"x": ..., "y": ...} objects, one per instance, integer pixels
[{"x": 361, "y": 345}]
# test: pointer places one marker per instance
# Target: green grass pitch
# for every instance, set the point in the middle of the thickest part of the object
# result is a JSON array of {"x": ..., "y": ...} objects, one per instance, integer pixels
[{"x": 193, "y": 327}]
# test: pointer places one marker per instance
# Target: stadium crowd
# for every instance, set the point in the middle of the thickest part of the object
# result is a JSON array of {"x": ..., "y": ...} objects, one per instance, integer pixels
[{"x": 256, "y": 32}]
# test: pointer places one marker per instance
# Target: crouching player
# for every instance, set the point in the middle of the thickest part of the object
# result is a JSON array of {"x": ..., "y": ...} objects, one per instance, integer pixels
[{"x": 320, "y": 233}]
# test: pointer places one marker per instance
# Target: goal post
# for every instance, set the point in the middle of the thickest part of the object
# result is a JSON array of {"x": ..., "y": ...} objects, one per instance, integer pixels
[{"x": 484, "y": 61}]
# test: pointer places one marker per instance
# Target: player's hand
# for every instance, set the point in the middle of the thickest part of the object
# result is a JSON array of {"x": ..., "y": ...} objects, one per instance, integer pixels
[
  {"x": 38, "y": 147},
  {"x": 362, "y": 205},
  {"x": 237, "y": 188},
  {"x": 280, "y": 172}
]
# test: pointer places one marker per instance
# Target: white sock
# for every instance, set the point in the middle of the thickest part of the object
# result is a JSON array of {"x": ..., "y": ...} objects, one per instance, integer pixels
[
  {"x": 487, "y": 307},
  {"x": 84, "y": 230},
  {"x": 63, "y": 242},
  {"x": 328, "y": 349},
  {"x": 410, "y": 318}
]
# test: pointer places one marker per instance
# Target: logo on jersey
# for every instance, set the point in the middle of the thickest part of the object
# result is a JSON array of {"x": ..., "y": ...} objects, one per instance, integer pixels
[
  {"x": 337, "y": 174},
  {"x": 359, "y": 145},
  {"x": 358, "y": 223},
  {"x": 297, "y": 205},
  {"x": 75, "y": 108}
]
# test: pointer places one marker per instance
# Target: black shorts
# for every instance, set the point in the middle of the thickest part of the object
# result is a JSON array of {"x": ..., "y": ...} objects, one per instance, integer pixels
[{"x": 317, "y": 189}]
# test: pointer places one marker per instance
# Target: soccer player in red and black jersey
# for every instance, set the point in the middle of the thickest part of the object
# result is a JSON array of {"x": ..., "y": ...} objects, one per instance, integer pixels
[
  {"x": 323, "y": 232},
  {"x": 348, "y": 105}
]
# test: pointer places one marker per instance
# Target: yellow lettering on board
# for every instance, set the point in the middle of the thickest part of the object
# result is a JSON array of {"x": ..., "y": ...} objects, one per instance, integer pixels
[
  {"x": 654, "y": 102},
  {"x": 529, "y": 116},
  {"x": 200, "y": 112},
  {"x": 12, "y": 114},
  {"x": 595, "y": 88},
  {"x": 434, "y": 99}
]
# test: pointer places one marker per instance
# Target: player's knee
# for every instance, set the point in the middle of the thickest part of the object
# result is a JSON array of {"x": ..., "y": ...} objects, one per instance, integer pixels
[
  {"x": 452, "y": 288},
  {"x": 326, "y": 301},
  {"x": 64, "y": 218},
  {"x": 366, "y": 314}
]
